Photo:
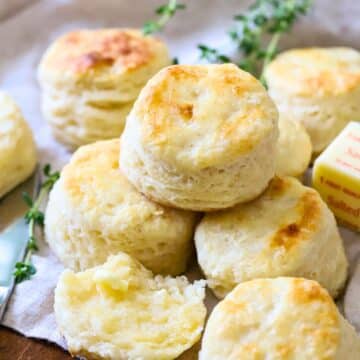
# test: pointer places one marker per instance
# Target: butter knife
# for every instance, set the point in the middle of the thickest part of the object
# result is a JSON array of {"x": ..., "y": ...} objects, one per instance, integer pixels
[{"x": 13, "y": 243}]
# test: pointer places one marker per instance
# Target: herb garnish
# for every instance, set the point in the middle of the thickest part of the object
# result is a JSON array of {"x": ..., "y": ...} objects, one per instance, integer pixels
[
  {"x": 34, "y": 216},
  {"x": 264, "y": 19},
  {"x": 165, "y": 12},
  {"x": 212, "y": 55}
]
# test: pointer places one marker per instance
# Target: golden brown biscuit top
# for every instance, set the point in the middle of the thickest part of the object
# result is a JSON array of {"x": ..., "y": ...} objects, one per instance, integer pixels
[
  {"x": 196, "y": 116},
  {"x": 285, "y": 216},
  {"x": 301, "y": 209},
  {"x": 299, "y": 291},
  {"x": 284, "y": 318},
  {"x": 315, "y": 71},
  {"x": 93, "y": 182},
  {"x": 86, "y": 50},
  {"x": 307, "y": 208},
  {"x": 83, "y": 176}
]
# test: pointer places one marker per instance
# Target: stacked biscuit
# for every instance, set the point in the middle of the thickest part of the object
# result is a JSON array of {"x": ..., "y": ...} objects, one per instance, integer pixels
[
  {"x": 124, "y": 214},
  {"x": 91, "y": 78},
  {"x": 319, "y": 88}
]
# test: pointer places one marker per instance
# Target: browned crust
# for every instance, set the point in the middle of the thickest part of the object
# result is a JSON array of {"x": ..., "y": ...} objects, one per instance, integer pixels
[
  {"x": 86, "y": 50},
  {"x": 308, "y": 210}
]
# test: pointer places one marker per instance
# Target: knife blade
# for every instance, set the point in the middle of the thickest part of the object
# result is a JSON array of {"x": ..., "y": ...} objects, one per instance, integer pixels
[{"x": 13, "y": 243}]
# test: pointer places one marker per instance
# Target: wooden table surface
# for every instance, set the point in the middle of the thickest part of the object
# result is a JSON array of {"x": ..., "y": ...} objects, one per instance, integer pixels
[{"x": 16, "y": 347}]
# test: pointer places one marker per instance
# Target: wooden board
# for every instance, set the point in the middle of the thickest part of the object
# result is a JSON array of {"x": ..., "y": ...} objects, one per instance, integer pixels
[{"x": 17, "y": 347}]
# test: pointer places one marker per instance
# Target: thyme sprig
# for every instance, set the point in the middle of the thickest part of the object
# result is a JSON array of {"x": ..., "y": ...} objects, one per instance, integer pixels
[
  {"x": 34, "y": 217},
  {"x": 264, "y": 19},
  {"x": 165, "y": 12},
  {"x": 212, "y": 55}
]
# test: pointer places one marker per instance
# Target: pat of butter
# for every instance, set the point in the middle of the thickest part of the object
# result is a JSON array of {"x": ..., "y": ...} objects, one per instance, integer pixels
[
  {"x": 336, "y": 175},
  {"x": 113, "y": 280}
]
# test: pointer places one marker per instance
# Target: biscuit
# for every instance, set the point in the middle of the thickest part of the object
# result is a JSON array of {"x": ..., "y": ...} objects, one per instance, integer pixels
[
  {"x": 17, "y": 147},
  {"x": 90, "y": 79},
  {"x": 200, "y": 137},
  {"x": 293, "y": 151},
  {"x": 94, "y": 212},
  {"x": 287, "y": 231},
  {"x": 282, "y": 319},
  {"x": 319, "y": 87},
  {"x": 119, "y": 310}
]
